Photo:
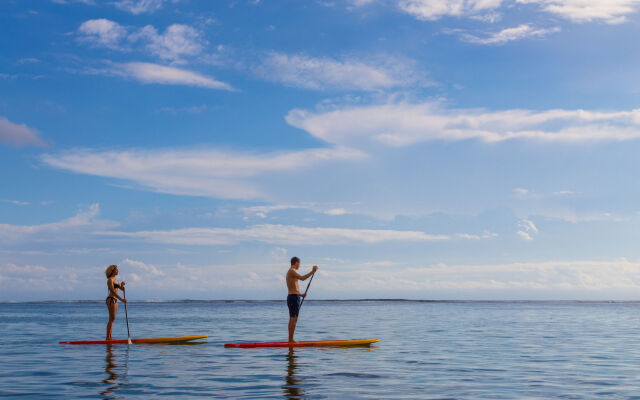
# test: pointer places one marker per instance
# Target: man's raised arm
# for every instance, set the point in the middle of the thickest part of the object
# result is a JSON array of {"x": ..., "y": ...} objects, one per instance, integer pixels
[{"x": 304, "y": 277}]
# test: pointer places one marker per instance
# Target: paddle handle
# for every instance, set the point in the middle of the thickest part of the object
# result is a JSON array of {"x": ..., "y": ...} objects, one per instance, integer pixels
[
  {"x": 126, "y": 314},
  {"x": 305, "y": 292}
]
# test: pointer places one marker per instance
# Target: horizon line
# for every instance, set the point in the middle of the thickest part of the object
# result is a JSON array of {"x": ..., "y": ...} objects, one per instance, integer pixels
[{"x": 338, "y": 300}]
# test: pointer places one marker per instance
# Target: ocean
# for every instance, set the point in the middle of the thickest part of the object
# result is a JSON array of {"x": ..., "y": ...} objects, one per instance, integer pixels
[{"x": 428, "y": 350}]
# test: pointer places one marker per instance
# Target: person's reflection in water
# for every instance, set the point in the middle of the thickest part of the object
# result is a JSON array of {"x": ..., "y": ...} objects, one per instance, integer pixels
[
  {"x": 112, "y": 379},
  {"x": 112, "y": 374},
  {"x": 292, "y": 387}
]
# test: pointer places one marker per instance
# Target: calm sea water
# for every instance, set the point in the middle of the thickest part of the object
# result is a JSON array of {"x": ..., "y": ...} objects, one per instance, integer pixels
[{"x": 438, "y": 350}]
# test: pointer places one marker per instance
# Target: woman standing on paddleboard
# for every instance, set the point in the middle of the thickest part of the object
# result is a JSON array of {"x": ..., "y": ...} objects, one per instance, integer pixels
[{"x": 113, "y": 297}]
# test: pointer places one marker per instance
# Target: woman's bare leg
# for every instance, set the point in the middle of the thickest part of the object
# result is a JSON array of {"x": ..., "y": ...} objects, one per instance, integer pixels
[{"x": 113, "y": 310}]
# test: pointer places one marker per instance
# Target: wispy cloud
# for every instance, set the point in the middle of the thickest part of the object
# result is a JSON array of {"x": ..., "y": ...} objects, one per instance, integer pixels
[
  {"x": 279, "y": 234},
  {"x": 28, "y": 60},
  {"x": 402, "y": 124},
  {"x": 563, "y": 279},
  {"x": 212, "y": 172},
  {"x": 160, "y": 74},
  {"x": 527, "y": 229},
  {"x": 134, "y": 7},
  {"x": 518, "y": 279},
  {"x": 84, "y": 220},
  {"x": 336, "y": 211},
  {"x": 507, "y": 35},
  {"x": 430, "y": 10},
  {"x": 17, "y": 202},
  {"x": 175, "y": 42},
  {"x": 484, "y": 235},
  {"x": 609, "y": 11},
  {"x": 139, "y": 6},
  {"x": 264, "y": 211},
  {"x": 185, "y": 110},
  {"x": 152, "y": 269},
  {"x": 18, "y": 135},
  {"x": 521, "y": 193},
  {"x": 325, "y": 73},
  {"x": 527, "y": 194}
]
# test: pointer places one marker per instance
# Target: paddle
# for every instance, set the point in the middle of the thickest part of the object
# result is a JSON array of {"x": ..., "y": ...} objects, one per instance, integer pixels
[
  {"x": 305, "y": 292},
  {"x": 126, "y": 315}
]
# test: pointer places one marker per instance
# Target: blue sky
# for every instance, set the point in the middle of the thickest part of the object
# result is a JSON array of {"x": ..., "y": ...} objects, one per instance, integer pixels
[{"x": 427, "y": 149}]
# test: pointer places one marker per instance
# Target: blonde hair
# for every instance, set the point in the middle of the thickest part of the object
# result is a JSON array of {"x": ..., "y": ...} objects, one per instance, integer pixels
[{"x": 109, "y": 270}]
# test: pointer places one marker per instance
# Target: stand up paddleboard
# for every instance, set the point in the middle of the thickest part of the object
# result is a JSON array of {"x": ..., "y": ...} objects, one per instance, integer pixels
[
  {"x": 138, "y": 341},
  {"x": 313, "y": 343}
]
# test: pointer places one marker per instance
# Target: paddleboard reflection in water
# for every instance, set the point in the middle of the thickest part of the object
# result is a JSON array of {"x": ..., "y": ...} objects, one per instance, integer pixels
[{"x": 176, "y": 339}]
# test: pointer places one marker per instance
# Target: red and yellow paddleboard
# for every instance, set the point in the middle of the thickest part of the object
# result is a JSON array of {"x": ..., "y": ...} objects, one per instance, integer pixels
[
  {"x": 312, "y": 343},
  {"x": 138, "y": 341}
]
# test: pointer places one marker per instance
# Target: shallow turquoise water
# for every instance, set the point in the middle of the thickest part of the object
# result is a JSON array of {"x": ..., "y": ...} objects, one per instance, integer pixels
[{"x": 467, "y": 350}]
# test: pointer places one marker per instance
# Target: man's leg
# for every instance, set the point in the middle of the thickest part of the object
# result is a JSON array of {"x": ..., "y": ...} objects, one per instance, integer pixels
[{"x": 292, "y": 328}]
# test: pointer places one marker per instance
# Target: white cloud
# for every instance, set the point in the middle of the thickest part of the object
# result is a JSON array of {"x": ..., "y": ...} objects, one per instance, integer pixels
[
  {"x": 527, "y": 229},
  {"x": 526, "y": 194},
  {"x": 83, "y": 221},
  {"x": 609, "y": 11},
  {"x": 579, "y": 279},
  {"x": 565, "y": 193},
  {"x": 520, "y": 193},
  {"x": 278, "y": 234},
  {"x": 139, "y": 6},
  {"x": 209, "y": 172},
  {"x": 21, "y": 270},
  {"x": 18, "y": 134},
  {"x": 489, "y": 17},
  {"x": 326, "y": 73},
  {"x": 263, "y": 211},
  {"x": 176, "y": 42},
  {"x": 336, "y": 211},
  {"x": 87, "y": 2},
  {"x": 185, "y": 110},
  {"x": 131, "y": 6},
  {"x": 524, "y": 235},
  {"x": 508, "y": 35},
  {"x": 484, "y": 235},
  {"x": 102, "y": 32},
  {"x": 17, "y": 202},
  {"x": 152, "y": 269},
  {"x": 402, "y": 124},
  {"x": 28, "y": 60},
  {"x": 429, "y": 10},
  {"x": 563, "y": 278},
  {"x": 160, "y": 74}
]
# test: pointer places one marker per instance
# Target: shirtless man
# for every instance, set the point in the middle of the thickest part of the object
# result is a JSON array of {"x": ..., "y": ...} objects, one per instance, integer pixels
[{"x": 294, "y": 299}]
